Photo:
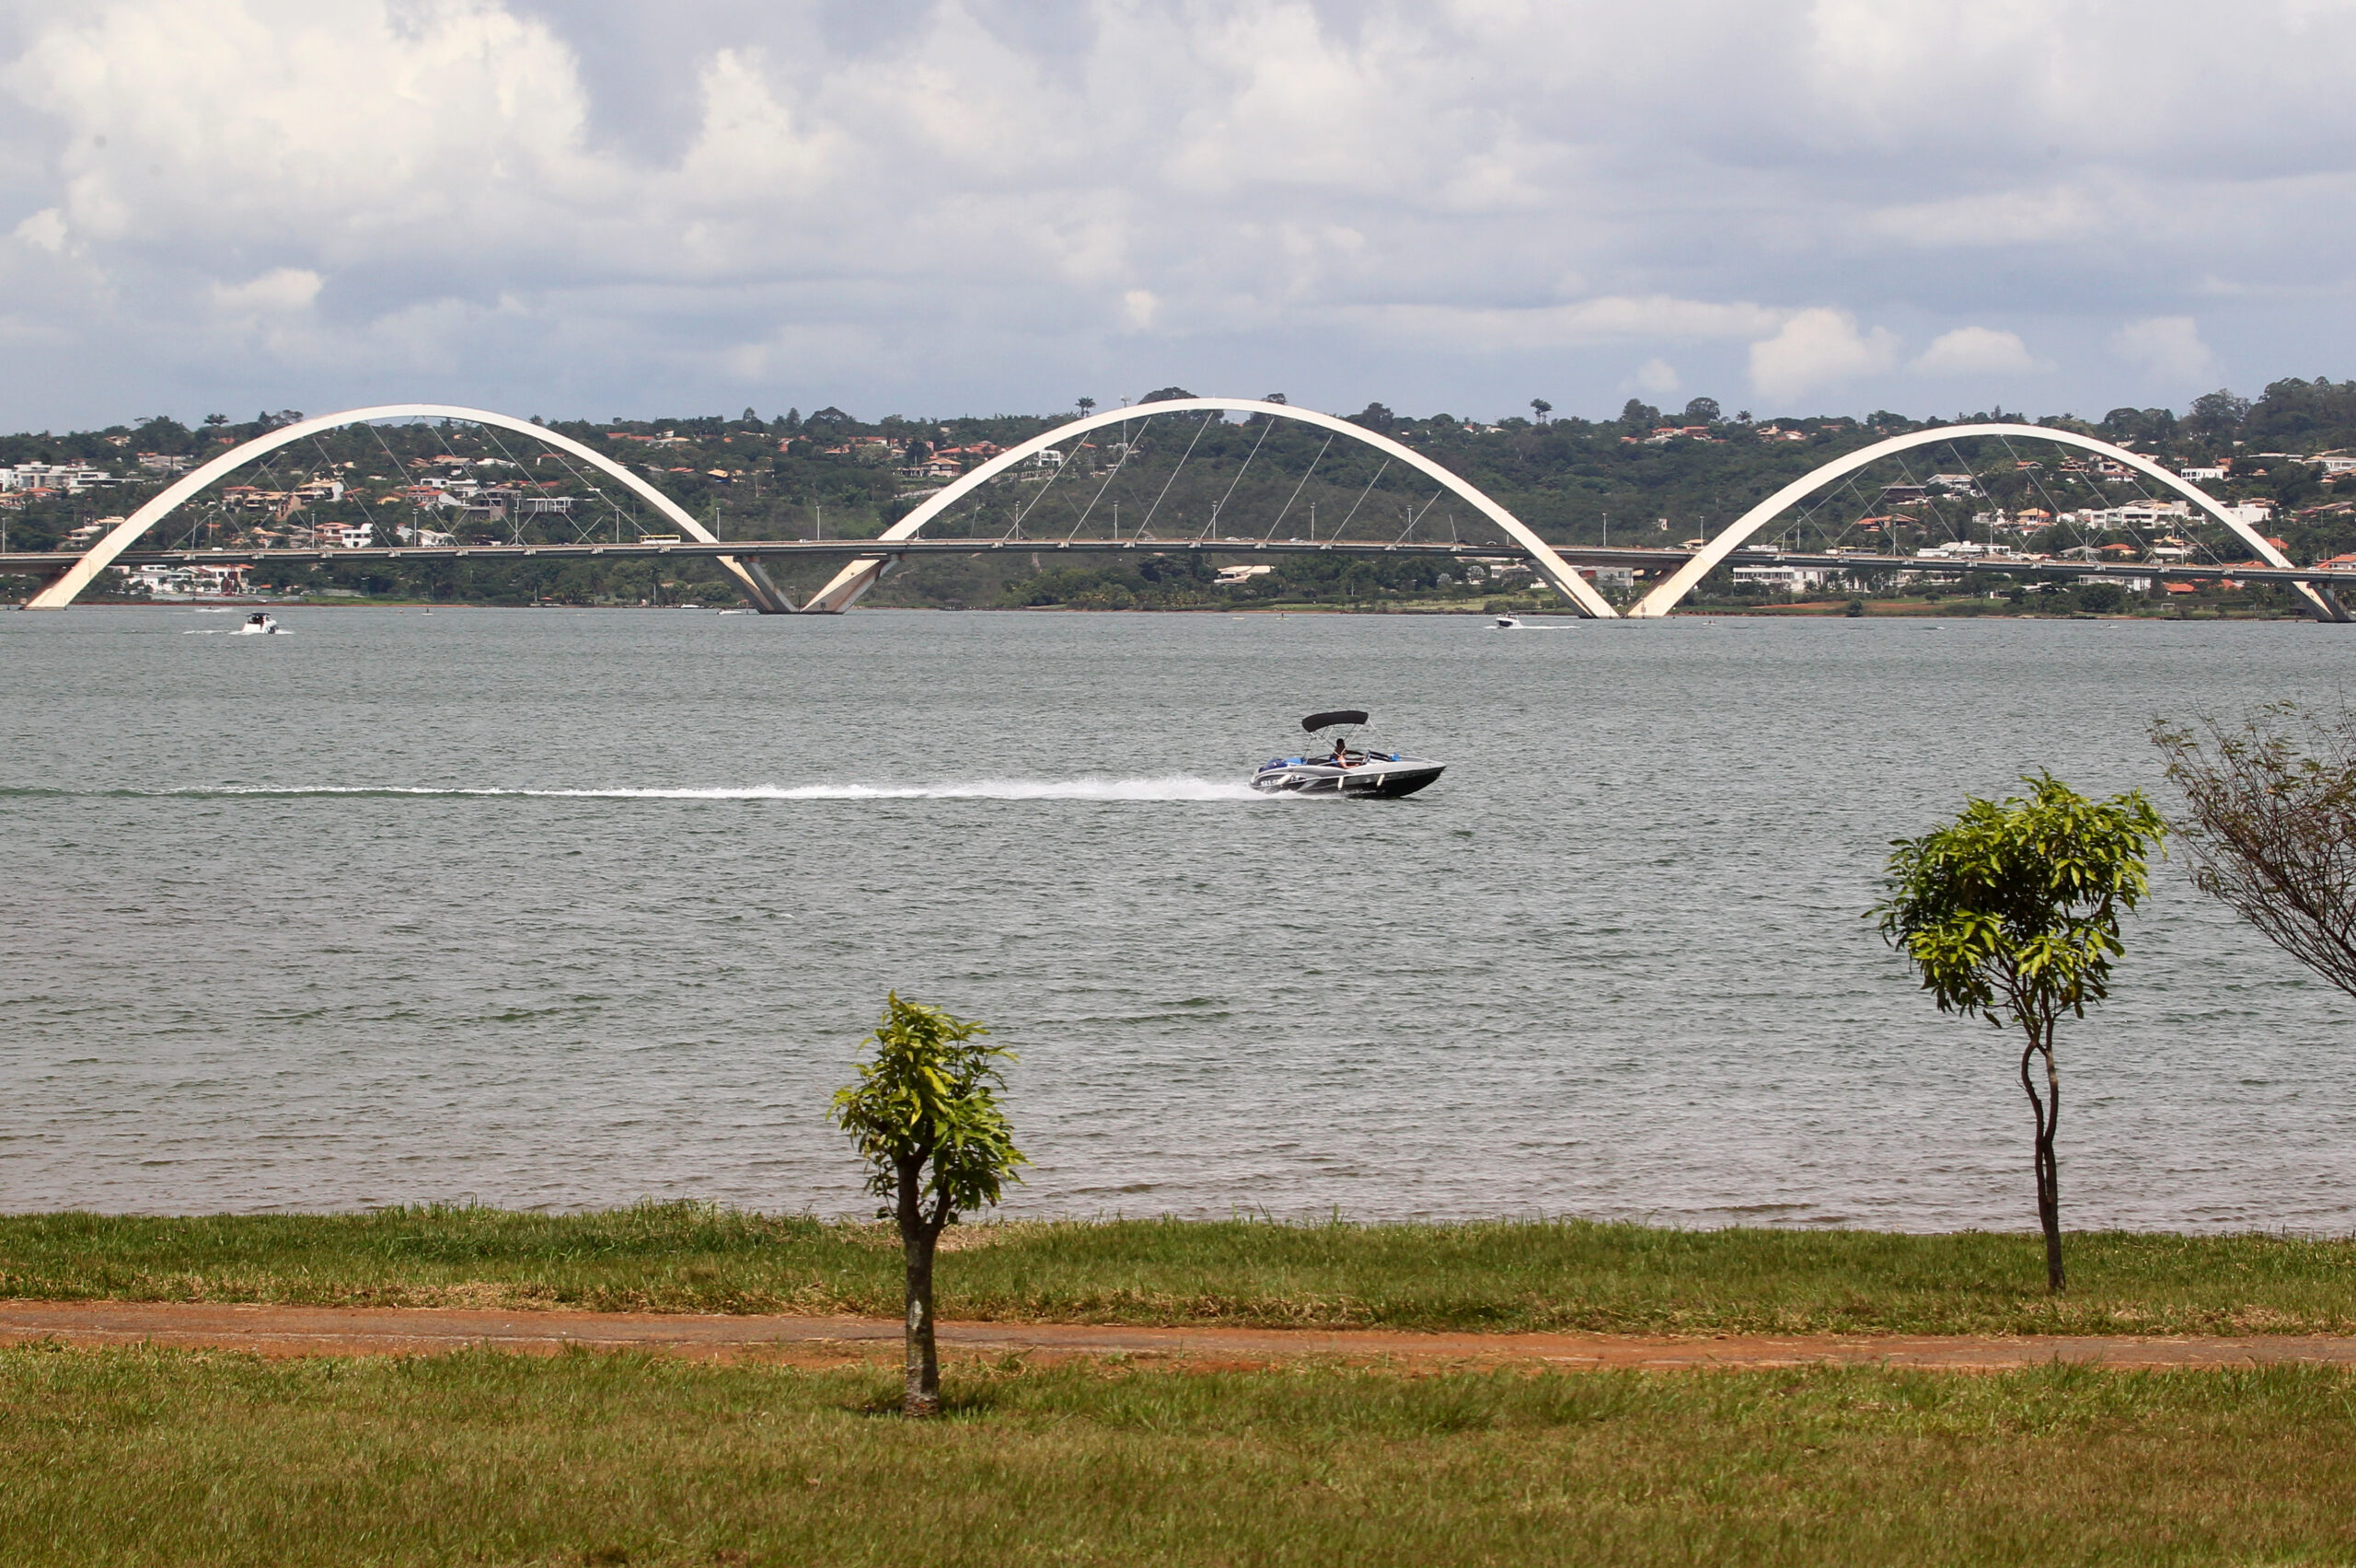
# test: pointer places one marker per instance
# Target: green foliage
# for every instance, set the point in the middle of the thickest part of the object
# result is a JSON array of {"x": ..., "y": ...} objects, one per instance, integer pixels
[
  {"x": 925, "y": 1109},
  {"x": 925, "y": 1117},
  {"x": 2011, "y": 912},
  {"x": 2101, "y": 598}
]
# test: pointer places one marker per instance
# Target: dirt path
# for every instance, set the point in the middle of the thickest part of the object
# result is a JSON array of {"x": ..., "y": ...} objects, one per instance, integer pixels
[{"x": 360, "y": 1331}]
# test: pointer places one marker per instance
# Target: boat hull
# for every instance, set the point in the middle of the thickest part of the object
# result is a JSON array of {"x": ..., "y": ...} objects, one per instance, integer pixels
[{"x": 1368, "y": 781}]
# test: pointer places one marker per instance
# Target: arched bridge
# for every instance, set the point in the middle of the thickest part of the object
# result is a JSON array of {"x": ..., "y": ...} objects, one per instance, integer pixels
[{"x": 1681, "y": 569}]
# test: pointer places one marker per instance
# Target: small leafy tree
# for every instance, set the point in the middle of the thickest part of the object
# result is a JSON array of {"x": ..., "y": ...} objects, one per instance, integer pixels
[
  {"x": 926, "y": 1118},
  {"x": 2271, "y": 825},
  {"x": 2010, "y": 913}
]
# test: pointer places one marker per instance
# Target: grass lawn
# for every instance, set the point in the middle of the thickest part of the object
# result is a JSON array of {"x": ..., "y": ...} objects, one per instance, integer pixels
[
  {"x": 1617, "y": 1278},
  {"x": 128, "y": 1457}
]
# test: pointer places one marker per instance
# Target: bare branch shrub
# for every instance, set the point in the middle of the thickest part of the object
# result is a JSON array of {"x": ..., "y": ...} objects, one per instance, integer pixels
[{"x": 2269, "y": 824}]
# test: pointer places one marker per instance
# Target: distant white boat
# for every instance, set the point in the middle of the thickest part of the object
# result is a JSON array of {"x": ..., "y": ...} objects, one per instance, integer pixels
[
  {"x": 735, "y": 612},
  {"x": 258, "y": 624},
  {"x": 1509, "y": 623}
]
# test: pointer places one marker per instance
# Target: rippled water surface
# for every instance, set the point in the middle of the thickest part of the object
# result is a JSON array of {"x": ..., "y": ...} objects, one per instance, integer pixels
[{"x": 568, "y": 909}]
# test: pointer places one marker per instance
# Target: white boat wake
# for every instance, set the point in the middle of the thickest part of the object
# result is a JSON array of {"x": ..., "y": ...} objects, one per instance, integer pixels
[{"x": 1173, "y": 787}]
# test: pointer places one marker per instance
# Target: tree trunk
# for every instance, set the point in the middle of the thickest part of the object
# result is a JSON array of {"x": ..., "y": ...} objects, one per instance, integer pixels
[
  {"x": 2048, "y": 1112},
  {"x": 922, "y": 1396}
]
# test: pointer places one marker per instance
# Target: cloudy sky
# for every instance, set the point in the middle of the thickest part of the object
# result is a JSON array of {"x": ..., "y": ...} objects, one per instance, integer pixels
[{"x": 600, "y": 207}]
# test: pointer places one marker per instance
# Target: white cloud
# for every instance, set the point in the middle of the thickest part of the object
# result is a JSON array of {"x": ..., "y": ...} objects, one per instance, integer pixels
[
  {"x": 950, "y": 203},
  {"x": 45, "y": 229},
  {"x": 1657, "y": 377},
  {"x": 1817, "y": 349},
  {"x": 348, "y": 126},
  {"x": 1975, "y": 351},
  {"x": 278, "y": 291},
  {"x": 2168, "y": 348},
  {"x": 1994, "y": 220}
]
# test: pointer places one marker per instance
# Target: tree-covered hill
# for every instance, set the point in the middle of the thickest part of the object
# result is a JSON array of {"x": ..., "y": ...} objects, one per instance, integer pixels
[{"x": 1647, "y": 477}]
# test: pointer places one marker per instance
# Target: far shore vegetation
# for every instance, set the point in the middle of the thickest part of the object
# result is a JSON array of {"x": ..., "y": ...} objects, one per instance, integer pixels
[
  {"x": 1491, "y": 1275},
  {"x": 1649, "y": 476}
]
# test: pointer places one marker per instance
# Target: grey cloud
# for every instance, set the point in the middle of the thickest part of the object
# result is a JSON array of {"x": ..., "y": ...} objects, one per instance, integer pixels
[{"x": 928, "y": 205}]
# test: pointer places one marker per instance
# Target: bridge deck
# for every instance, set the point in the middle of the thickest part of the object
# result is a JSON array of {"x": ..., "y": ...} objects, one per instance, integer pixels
[{"x": 43, "y": 563}]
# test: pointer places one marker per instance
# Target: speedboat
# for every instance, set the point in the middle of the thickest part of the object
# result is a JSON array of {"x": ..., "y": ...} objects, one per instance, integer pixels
[
  {"x": 1509, "y": 623},
  {"x": 1352, "y": 765},
  {"x": 258, "y": 624}
]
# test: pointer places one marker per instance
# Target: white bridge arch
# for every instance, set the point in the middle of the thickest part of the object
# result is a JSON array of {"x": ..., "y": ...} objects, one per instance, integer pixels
[
  {"x": 750, "y": 578},
  {"x": 1673, "y": 588},
  {"x": 844, "y": 589}
]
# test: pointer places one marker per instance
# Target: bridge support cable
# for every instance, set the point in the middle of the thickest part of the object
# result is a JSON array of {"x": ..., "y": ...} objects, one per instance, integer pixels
[
  {"x": 515, "y": 523},
  {"x": 2069, "y": 517},
  {"x": 1665, "y": 597},
  {"x": 1362, "y": 495},
  {"x": 376, "y": 526},
  {"x": 1305, "y": 473},
  {"x": 1978, "y": 487},
  {"x": 1220, "y": 505},
  {"x": 1110, "y": 475},
  {"x": 848, "y": 585},
  {"x": 1953, "y": 537},
  {"x": 580, "y": 525},
  {"x": 1415, "y": 516},
  {"x": 2063, "y": 516},
  {"x": 1032, "y": 504},
  {"x": 1160, "y": 496}
]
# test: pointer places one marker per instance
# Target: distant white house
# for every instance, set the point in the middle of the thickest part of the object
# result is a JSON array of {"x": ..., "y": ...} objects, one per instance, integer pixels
[
  {"x": 1230, "y": 576},
  {"x": 2145, "y": 516},
  {"x": 185, "y": 582},
  {"x": 1785, "y": 579},
  {"x": 71, "y": 477}
]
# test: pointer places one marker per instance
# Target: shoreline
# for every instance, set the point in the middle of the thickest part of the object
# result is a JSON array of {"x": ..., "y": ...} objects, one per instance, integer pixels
[{"x": 1874, "y": 609}]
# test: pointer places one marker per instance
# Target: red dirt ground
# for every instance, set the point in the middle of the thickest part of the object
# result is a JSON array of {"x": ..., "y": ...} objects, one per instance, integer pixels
[{"x": 281, "y": 1330}]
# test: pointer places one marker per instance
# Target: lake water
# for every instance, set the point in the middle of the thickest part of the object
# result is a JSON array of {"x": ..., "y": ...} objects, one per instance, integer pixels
[{"x": 563, "y": 909}]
